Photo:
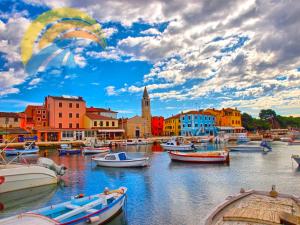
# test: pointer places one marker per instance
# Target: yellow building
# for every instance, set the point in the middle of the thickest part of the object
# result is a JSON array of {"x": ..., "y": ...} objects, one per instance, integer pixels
[
  {"x": 226, "y": 117},
  {"x": 172, "y": 126},
  {"x": 136, "y": 127}
]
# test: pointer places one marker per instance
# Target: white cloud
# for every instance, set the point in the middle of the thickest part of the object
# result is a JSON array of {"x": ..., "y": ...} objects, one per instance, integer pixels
[
  {"x": 151, "y": 31},
  {"x": 35, "y": 81},
  {"x": 110, "y": 90}
]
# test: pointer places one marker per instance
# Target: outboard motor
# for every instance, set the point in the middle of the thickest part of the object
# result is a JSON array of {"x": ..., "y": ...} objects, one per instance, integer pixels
[
  {"x": 265, "y": 144},
  {"x": 50, "y": 164}
]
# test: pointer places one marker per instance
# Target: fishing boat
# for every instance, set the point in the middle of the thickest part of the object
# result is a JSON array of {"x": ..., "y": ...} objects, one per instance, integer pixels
[
  {"x": 174, "y": 145},
  {"x": 296, "y": 158},
  {"x": 121, "y": 160},
  {"x": 263, "y": 147},
  {"x": 14, "y": 176},
  {"x": 294, "y": 142},
  {"x": 94, "y": 209},
  {"x": 200, "y": 157},
  {"x": 29, "y": 148},
  {"x": 66, "y": 149},
  {"x": 257, "y": 207},
  {"x": 94, "y": 150}
]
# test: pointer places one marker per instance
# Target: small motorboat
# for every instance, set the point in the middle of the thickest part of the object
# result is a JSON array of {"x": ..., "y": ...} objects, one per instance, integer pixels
[
  {"x": 29, "y": 148},
  {"x": 174, "y": 145},
  {"x": 66, "y": 149},
  {"x": 296, "y": 158},
  {"x": 294, "y": 142},
  {"x": 285, "y": 139},
  {"x": 242, "y": 138},
  {"x": 94, "y": 209},
  {"x": 15, "y": 176},
  {"x": 200, "y": 157},
  {"x": 257, "y": 207},
  {"x": 94, "y": 150},
  {"x": 121, "y": 160},
  {"x": 263, "y": 147},
  {"x": 135, "y": 142}
]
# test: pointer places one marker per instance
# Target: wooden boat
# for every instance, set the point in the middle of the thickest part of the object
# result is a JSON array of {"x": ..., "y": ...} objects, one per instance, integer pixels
[
  {"x": 296, "y": 158},
  {"x": 257, "y": 207},
  {"x": 66, "y": 149},
  {"x": 121, "y": 160},
  {"x": 94, "y": 150},
  {"x": 200, "y": 157},
  {"x": 172, "y": 145},
  {"x": 94, "y": 209},
  {"x": 15, "y": 176},
  {"x": 294, "y": 142}
]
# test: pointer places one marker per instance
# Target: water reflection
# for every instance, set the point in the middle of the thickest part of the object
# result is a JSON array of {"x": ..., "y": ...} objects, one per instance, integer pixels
[{"x": 172, "y": 192}]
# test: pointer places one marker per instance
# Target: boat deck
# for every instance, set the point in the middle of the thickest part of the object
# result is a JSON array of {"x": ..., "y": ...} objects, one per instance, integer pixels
[{"x": 260, "y": 209}]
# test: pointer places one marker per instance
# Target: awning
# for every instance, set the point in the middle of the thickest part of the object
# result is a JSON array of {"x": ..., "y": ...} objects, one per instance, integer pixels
[
  {"x": 239, "y": 128},
  {"x": 111, "y": 131},
  {"x": 225, "y": 128}
]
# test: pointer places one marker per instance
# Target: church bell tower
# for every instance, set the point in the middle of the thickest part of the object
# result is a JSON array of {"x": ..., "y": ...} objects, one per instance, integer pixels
[{"x": 146, "y": 110}]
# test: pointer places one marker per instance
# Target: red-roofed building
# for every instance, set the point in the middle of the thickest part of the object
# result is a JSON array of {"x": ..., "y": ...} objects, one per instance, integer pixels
[
  {"x": 103, "y": 112},
  {"x": 157, "y": 125},
  {"x": 36, "y": 117}
]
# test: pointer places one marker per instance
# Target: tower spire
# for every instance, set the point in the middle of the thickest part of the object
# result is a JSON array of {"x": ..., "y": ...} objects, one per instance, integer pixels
[{"x": 145, "y": 95}]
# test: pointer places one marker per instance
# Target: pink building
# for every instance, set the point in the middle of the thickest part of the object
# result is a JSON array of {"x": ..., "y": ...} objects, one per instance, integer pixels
[{"x": 65, "y": 112}]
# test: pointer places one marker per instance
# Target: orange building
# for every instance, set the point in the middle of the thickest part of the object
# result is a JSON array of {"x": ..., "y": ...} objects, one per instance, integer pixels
[
  {"x": 36, "y": 116},
  {"x": 157, "y": 125}
]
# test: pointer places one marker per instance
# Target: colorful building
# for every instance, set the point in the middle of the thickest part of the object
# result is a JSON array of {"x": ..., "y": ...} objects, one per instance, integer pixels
[
  {"x": 157, "y": 125},
  {"x": 11, "y": 126},
  {"x": 172, "y": 126},
  {"x": 196, "y": 123},
  {"x": 106, "y": 127},
  {"x": 102, "y": 112},
  {"x": 36, "y": 117}
]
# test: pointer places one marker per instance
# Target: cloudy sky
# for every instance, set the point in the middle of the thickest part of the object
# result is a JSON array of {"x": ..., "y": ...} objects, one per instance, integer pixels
[{"x": 190, "y": 54}]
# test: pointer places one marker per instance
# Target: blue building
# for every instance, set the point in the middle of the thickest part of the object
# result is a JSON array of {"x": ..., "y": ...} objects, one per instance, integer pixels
[{"x": 197, "y": 123}]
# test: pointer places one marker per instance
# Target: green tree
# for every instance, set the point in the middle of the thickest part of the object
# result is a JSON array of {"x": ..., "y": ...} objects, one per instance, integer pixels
[
  {"x": 247, "y": 122},
  {"x": 266, "y": 114}
]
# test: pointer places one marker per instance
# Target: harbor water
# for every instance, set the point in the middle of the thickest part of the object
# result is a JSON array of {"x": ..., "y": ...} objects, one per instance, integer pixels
[{"x": 165, "y": 192}]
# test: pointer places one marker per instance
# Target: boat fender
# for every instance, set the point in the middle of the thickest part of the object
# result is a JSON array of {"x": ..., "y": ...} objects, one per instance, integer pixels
[
  {"x": 79, "y": 196},
  {"x": 2, "y": 179},
  {"x": 93, "y": 219}
]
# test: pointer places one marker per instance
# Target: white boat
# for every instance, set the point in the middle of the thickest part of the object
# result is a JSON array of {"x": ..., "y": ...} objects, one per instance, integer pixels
[
  {"x": 296, "y": 158},
  {"x": 242, "y": 138},
  {"x": 94, "y": 209},
  {"x": 135, "y": 142},
  {"x": 200, "y": 157},
  {"x": 67, "y": 149},
  {"x": 263, "y": 147},
  {"x": 121, "y": 160},
  {"x": 21, "y": 176},
  {"x": 173, "y": 145},
  {"x": 285, "y": 139},
  {"x": 93, "y": 150},
  {"x": 257, "y": 208}
]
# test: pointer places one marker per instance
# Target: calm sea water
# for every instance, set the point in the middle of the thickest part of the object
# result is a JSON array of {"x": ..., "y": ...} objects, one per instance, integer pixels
[{"x": 166, "y": 192}]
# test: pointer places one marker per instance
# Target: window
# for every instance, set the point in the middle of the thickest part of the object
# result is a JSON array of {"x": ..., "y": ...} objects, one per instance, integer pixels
[
  {"x": 44, "y": 117},
  {"x": 107, "y": 123},
  {"x": 44, "y": 111},
  {"x": 189, "y": 117},
  {"x": 196, "y": 125},
  {"x": 60, "y": 115},
  {"x": 95, "y": 123},
  {"x": 89, "y": 133},
  {"x": 67, "y": 134},
  {"x": 16, "y": 119},
  {"x": 70, "y": 125},
  {"x": 60, "y": 104},
  {"x": 77, "y": 115},
  {"x": 60, "y": 125},
  {"x": 77, "y": 105},
  {"x": 77, "y": 125},
  {"x": 110, "y": 157},
  {"x": 101, "y": 123},
  {"x": 205, "y": 125},
  {"x": 232, "y": 121},
  {"x": 44, "y": 124},
  {"x": 70, "y": 105},
  {"x": 39, "y": 112},
  {"x": 113, "y": 123},
  {"x": 189, "y": 125},
  {"x": 70, "y": 115},
  {"x": 39, "y": 119}
]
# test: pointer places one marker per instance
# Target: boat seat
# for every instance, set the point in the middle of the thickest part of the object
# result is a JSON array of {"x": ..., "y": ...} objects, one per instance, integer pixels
[{"x": 70, "y": 206}]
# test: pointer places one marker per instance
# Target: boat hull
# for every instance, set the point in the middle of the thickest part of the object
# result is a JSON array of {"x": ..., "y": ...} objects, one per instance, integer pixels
[
  {"x": 69, "y": 152},
  {"x": 21, "y": 152},
  {"x": 90, "y": 150},
  {"x": 123, "y": 163},
  {"x": 198, "y": 158},
  {"x": 297, "y": 159},
  {"x": 18, "y": 177},
  {"x": 294, "y": 143},
  {"x": 246, "y": 149},
  {"x": 177, "y": 148}
]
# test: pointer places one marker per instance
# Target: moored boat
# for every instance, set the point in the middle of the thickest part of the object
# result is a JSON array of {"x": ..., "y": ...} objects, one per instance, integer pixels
[
  {"x": 94, "y": 209},
  {"x": 294, "y": 142},
  {"x": 173, "y": 145},
  {"x": 94, "y": 150},
  {"x": 200, "y": 157},
  {"x": 66, "y": 149},
  {"x": 135, "y": 142},
  {"x": 257, "y": 207},
  {"x": 285, "y": 139},
  {"x": 29, "y": 148},
  {"x": 121, "y": 160},
  {"x": 242, "y": 138},
  {"x": 15, "y": 176},
  {"x": 263, "y": 147},
  {"x": 296, "y": 158}
]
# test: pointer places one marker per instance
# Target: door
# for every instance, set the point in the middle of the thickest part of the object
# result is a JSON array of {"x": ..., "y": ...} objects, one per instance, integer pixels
[
  {"x": 78, "y": 135},
  {"x": 137, "y": 133}
]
